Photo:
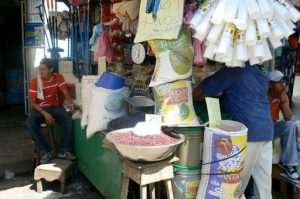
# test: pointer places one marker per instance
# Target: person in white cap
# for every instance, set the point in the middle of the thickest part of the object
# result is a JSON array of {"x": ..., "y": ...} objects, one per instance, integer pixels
[{"x": 279, "y": 102}]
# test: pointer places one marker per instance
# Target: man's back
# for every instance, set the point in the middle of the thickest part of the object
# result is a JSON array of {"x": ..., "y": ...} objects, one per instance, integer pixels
[{"x": 245, "y": 98}]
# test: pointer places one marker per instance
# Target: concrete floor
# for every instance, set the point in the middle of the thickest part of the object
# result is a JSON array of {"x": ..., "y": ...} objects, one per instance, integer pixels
[
  {"x": 15, "y": 143},
  {"x": 16, "y": 148}
]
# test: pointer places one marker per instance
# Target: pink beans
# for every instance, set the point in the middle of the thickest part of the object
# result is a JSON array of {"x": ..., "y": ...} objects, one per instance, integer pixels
[{"x": 128, "y": 138}]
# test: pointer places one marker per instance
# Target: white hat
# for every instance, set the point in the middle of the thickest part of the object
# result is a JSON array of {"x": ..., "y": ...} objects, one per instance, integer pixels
[{"x": 275, "y": 76}]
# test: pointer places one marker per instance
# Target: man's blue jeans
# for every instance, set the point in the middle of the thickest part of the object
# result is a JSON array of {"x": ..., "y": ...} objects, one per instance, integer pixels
[
  {"x": 287, "y": 131},
  {"x": 61, "y": 117}
]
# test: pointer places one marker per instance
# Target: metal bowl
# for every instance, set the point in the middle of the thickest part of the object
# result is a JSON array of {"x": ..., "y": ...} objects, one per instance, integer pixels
[{"x": 144, "y": 153}]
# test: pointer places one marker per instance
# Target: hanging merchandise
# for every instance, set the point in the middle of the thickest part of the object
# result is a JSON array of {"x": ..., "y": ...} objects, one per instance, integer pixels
[
  {"x": 104, "y": 47},
  {"x": 117, "y": 38},
  {"x": 166, "y": 25},
  {"x": 128, "y": 48},
  {"x": 198, "y": 51},
  {"x": 128, "y": 13},
  {"x": 105, "y": 12},
  {"x": 63, "y": 25},
  {"x": 189, "y": 11},
  {"x": 96, "y": 33},
  {"x": 152, "y": 7},
  {"x": 224, "y": 153},
  {"x": 174, "y": 58},
  {"x": 174, "y": 102},
  {"x": 239, "y": 30}
]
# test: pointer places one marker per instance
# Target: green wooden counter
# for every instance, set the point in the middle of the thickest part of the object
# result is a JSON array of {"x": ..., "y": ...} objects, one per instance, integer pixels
[{"x": 100, "y": 165}]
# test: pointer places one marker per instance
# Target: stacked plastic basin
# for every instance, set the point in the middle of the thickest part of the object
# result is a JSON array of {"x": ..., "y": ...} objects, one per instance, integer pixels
[{"x": 188, "y": 168}]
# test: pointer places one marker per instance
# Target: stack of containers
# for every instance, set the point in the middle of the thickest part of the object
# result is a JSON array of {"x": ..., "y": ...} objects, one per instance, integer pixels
[
  {"x": 236, "y": 31},
  {"x": 173, "y": 100}
]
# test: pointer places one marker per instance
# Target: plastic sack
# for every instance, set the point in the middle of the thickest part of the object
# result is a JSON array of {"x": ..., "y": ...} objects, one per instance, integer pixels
[
  {"x": 88, "y": 82},
  {"x": 166, "y": 25},
  {"x": 224, "y": 154},
  {"x": 174, "y": 59},
  {"x": 174, "y": 102},
  {"x": 277, "y": 151},
  {"x": 105, "y": 105}
]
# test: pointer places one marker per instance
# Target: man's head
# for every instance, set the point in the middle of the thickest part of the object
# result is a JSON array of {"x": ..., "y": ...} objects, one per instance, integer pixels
[
  {"x": 47, "y": 67},
  {"x": 276, "y": 80}
]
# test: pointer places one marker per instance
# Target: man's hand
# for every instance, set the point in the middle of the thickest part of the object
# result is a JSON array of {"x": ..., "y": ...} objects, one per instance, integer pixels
[
  {"x": 283, "y": 94},
  {"x": 69, "y": 104},
  {"x": 49, "y": 119}
]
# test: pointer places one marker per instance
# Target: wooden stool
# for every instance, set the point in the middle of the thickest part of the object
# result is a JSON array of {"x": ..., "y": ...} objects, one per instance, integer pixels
[
  {"x": 147, "y": 174},
  {"x": 276, "y": 171},
  {"x": 56, "y": 169}
]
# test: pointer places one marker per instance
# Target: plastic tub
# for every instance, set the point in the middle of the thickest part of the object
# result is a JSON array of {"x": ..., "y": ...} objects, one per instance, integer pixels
[
  {"x": 110, "y": 81},
  {"x": 186, "y": 182}
]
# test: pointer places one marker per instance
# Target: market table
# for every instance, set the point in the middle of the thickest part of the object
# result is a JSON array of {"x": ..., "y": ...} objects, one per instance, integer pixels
[{"x": 100, "y": 165}]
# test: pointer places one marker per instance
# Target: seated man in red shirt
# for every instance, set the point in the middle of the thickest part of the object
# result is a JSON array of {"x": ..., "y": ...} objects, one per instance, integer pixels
[
  {"x": 279, "y": 102},
  {"x": 43, "y": 94}
]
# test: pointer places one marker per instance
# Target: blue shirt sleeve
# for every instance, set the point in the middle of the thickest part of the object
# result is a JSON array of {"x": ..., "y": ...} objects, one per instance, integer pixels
[{"x": 218, "y": 82}]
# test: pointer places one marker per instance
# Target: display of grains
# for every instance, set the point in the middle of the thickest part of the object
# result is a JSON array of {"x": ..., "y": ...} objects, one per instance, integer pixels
[{"x": 128, "y": 138}]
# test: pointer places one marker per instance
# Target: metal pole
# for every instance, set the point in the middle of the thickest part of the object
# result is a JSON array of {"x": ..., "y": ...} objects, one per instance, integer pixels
[{"x": 24, "y": 60}]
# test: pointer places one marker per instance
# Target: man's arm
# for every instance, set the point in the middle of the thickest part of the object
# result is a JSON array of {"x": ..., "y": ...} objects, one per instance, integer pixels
[
  {"x": 49, "y": 119},
  {"x": 214, "y": 84},
  {"x": 198, "y": 93},
  {"x": 285, "y": 105},
  {"x": 64, "y": 89},
  {"x": 68, "y": 99}
]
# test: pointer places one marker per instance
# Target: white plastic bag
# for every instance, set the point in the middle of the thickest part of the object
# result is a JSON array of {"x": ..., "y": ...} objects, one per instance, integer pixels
[
  {"x": 105, "y": 105},
  {"x": 88, "y": 82}
]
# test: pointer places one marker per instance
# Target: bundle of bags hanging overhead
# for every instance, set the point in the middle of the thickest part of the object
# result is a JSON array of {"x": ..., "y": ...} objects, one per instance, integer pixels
[
  {"x": 224, "y": 154},
  {"x": 236, "y": 31}
]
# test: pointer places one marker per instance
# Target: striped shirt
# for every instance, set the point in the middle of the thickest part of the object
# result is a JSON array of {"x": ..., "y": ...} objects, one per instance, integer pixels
[{"x": 50, "y": 90}]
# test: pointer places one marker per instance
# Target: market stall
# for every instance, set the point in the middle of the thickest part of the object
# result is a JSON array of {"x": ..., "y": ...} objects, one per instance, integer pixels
[{"x": 141, "y": 59}]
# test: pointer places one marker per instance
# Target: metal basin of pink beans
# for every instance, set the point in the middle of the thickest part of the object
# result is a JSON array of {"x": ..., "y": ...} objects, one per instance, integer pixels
[{"x": 147, "y": 148}]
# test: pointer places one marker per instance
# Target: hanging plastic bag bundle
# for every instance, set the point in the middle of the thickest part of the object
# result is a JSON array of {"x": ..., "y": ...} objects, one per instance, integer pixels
[
  {"x": 224, "y": 154},
  {"x": 174, "y": 102},
  {"x": 174, "y": 58}
]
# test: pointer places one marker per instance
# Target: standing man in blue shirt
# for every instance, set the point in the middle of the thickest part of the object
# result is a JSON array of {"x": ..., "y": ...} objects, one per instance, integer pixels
[{"x": 244, "y": 96}]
